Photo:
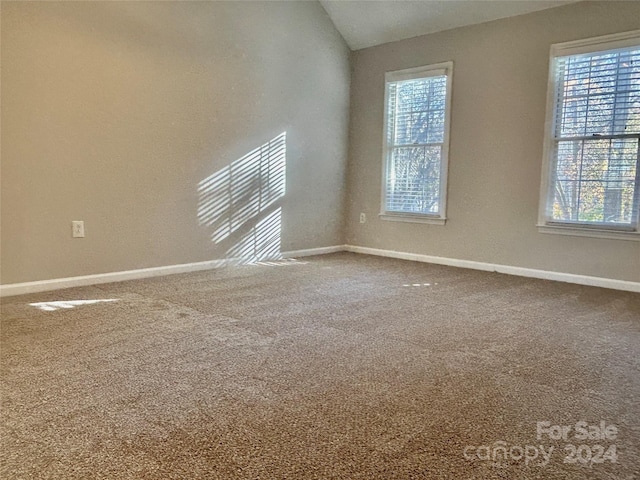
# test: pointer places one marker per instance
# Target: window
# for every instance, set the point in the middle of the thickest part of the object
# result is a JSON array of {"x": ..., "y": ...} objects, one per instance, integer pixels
[
  {"x": 591, "y": 182},
  {"x": 416, "y": 138}
]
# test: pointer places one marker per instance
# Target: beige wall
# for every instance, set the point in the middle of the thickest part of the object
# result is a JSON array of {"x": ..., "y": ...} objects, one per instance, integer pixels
[
  {"x": 497, "y": 127},
  {"x": 114, "y": 112}
]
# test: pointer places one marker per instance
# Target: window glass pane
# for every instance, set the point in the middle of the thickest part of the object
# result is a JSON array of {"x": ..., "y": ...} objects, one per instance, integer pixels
[
  {"x": 599, "y": 94},
  {"x": 595, "y": 181},
  {"x": 413, "y": 180},
  {"x": 419, "y": 111}
]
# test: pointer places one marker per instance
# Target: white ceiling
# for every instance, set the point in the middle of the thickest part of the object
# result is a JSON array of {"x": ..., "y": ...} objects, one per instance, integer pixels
[{"x": 365, "y": 23}]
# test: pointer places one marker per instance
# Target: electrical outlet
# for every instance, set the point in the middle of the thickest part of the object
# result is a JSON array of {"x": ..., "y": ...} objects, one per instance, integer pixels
[
  {"x": 77, "y": 228},
  {"x": 363, "y": 217}
]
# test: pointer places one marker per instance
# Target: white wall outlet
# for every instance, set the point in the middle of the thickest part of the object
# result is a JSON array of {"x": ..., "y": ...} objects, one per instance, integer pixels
[
  {"x": 77, "y": 228},
  {"x": 363, "y": 217}
]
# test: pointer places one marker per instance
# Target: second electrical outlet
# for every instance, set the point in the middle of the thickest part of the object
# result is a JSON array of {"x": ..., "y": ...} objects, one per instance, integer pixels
[{"x": 77, "y": 228}]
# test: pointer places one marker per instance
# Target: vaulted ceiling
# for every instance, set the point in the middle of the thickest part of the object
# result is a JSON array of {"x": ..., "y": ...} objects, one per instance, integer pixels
[{"x": 365, "y": 23}]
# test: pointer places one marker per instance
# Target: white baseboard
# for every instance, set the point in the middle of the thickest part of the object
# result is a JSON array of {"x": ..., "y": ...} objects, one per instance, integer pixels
[
  {"x": 85, "y": 280},
  {"x": 314, "y": 251},
  {"x": 58, "y": 283},
  {"x": 510, "y": 270}
]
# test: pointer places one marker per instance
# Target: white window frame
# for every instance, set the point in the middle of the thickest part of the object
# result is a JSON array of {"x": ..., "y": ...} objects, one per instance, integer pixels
[
  {"x": 444, "y": 68},
  {"x": 544, "y": 225}
]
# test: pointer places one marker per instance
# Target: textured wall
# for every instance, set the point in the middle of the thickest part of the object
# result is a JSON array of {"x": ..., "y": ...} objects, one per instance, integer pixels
[
  {"x": 116, "y": 112},
  {"x": 497, "y": 128}
]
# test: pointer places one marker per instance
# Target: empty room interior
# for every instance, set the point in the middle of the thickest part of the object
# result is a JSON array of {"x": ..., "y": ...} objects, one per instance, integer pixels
[{"x": 320, "y": 240}]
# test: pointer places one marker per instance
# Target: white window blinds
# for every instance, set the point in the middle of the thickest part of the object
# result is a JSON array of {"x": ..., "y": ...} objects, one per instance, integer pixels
[
  {"x": 596, "y": 134},
  {"x": 415, "y": 142}
]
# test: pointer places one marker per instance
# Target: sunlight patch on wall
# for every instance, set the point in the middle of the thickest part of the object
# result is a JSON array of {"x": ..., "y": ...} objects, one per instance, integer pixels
[
  {"x": 240, "y": 203},
  {"x": 261, "y": 242},
  {"x": 53, "y": 306}
]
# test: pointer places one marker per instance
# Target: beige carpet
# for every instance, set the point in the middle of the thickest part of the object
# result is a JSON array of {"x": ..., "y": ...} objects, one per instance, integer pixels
[{"x": 336, "y": 367}]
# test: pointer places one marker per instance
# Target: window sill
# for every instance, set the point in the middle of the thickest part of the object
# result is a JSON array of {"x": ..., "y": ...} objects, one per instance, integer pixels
[
  {"x": 589, "y": 232},
  {"x": 405, "y": 217}
]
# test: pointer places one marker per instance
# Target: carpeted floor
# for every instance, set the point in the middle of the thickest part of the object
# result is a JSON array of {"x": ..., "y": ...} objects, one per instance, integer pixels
[{"x": 336, "y": 367}]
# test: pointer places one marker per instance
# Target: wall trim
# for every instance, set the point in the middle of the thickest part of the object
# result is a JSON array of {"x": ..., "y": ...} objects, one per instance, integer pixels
[
  {"x": 309, "y": 252},
  {"x": 85, "y": 280},
  {"x": 58, "y": 283},
  {"x": 507, "y": 269}
]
